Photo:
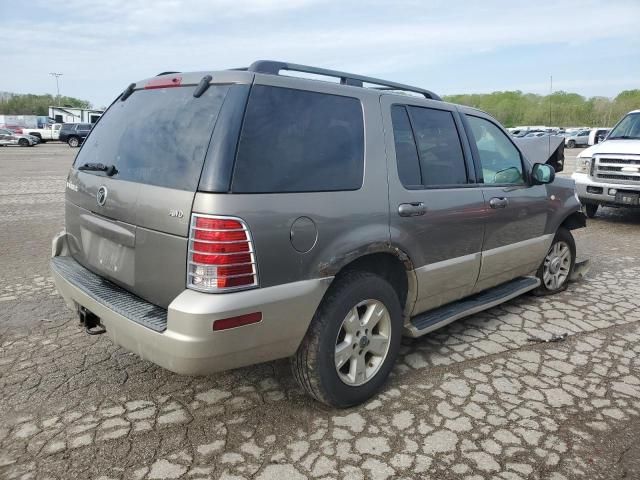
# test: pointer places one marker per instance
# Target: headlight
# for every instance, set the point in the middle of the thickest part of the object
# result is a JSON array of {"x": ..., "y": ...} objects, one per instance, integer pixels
[{"x": 583, "y": 164}]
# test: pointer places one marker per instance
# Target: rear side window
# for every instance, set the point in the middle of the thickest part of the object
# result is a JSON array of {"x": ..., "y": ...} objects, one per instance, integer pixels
[
  {"x": 299, "y": 141},
  {"x": 406, "y": 152},
  {"x": 157, "y": 137},
  {"x": 433, "y": 134}
]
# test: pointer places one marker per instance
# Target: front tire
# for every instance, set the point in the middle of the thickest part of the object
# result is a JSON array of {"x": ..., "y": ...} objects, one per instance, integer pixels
[
  {"x": 558, "y": 264},
  {"x": 591, "y": 209},
  {"x": 352, "y": 341},
  {"x": 571, "y": 144},
  {"x": 74, "y": 142},
  {"x": 23, "y": 142}
]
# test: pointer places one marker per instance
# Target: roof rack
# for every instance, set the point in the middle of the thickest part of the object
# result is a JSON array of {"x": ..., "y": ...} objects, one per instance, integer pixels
[{"x": 272, "y": 67}]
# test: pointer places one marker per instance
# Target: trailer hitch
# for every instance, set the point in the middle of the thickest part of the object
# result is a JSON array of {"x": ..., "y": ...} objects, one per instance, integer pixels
[{"x": 91, "y": 322}]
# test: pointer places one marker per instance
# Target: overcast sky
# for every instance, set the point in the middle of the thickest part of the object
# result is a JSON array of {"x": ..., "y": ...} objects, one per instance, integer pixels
[{"x": 590, "y": 47}]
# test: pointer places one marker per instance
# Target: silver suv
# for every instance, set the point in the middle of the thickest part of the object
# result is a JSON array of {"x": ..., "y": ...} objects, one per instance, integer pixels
[{"x": 221, "y": 219}]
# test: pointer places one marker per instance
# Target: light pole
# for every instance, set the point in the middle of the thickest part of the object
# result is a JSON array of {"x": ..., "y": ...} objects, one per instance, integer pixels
[{"x": 57, "y": 75}]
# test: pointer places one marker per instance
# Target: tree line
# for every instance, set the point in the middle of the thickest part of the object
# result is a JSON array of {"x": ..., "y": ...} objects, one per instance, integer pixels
[
  {"x": 29, "y": 104},
  {"x": 510, "y": 108},
  {"x": 561, "y": 109}
]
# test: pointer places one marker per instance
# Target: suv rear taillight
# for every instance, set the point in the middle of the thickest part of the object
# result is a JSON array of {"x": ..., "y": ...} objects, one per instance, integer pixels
[{"x": 221, "y": 256}]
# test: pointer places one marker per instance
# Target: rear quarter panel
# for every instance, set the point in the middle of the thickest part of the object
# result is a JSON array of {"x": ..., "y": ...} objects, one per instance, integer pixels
[{"x": 348, "y": 224}]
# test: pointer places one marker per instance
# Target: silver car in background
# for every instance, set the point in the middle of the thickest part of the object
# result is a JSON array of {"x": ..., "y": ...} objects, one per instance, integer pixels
[{"x": 7, "y": 137}]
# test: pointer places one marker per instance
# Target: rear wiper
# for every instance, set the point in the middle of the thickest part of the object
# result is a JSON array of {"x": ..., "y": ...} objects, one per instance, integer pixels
[
  {"x": 110, "y": 170},
  {"x": 202, "y": 86}
]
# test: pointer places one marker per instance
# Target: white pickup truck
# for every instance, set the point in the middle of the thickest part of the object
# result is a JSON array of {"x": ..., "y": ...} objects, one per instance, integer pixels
[
  {"x": 49, "y": 132},
  {"x": 609, "y": 173}
]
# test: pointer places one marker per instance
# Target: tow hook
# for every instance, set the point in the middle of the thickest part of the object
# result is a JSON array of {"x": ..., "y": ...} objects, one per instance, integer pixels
[{"x": 91, "y": 322}]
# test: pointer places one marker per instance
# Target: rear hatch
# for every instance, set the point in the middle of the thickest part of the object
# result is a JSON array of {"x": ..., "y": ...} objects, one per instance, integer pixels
[{"x": 130, "y": 224}]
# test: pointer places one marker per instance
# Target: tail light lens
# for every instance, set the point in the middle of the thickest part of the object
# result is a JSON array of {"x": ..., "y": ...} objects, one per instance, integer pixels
[{"x": 221, "y": 256}]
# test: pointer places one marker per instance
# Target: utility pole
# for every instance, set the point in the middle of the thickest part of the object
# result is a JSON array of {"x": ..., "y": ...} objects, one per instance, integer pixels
[
  {"x": 57, "y": 75},
  {"x": 550, "y": 93}
]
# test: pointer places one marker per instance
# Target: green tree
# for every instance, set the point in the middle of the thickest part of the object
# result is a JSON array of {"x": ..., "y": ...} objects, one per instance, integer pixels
[
  {"x": 565, "y": 109},
  {"x": 29, "y": 104}
]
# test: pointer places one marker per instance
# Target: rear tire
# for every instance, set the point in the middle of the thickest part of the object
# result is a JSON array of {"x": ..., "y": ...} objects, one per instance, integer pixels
[
  {"x": 352, "y": 342},
  {"x": 23, "y": 142},
  {"x": 556, "y": 268},
  {"x": 591, "y": 209},
  {"x": 74, "y": 142}
]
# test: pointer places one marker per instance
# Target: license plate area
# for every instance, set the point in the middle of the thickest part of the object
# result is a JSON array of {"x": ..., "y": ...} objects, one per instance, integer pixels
[
  {"x": 628, "y": 199},
  {"x": 109, "y": 258}
]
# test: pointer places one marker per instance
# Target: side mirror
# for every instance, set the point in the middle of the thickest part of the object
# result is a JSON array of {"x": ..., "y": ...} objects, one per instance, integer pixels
[{"x": 542, "y": 173}]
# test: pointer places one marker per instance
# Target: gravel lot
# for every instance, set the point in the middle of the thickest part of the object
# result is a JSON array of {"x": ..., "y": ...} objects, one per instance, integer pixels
[{"x": 475, "y": 400}]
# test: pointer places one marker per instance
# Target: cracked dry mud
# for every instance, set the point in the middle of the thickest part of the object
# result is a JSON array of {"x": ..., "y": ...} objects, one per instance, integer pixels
[{"x": 475, "y": 400}]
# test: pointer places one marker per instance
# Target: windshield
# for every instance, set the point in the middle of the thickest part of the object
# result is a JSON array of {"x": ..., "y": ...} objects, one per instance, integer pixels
[
  {"x": 627, "y": 128},
  {"x": 157, "y": 137}
]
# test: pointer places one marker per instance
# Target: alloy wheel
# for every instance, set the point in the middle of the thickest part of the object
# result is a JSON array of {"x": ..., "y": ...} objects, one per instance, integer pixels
[
  {"x": 363, "y": 342},
  {"x": 557, "y": 265}
]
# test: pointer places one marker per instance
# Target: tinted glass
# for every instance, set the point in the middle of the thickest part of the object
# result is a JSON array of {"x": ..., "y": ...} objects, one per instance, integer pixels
[
  {"x": 439, "y": 148},
  {"x": 158, "y": 137},
  {"x": 299, "y": 141},
  {"x": 500, "y": 159},
  {"x": 406, "y": 152}
]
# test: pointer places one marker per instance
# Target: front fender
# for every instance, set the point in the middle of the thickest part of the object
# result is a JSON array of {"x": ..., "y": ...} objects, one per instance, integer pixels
[{"x": 565, "y": 207}]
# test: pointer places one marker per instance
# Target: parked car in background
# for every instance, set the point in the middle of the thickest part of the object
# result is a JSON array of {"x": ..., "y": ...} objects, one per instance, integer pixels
[
  {"x": 74, "y": 133},
  {"x": 275, "y": 243},
  {"x": 7, "y": 137},
  {"x": 608, "y": 173},
  {"x": 49, "y": 132},
  {"x": 577, "y": 139}
]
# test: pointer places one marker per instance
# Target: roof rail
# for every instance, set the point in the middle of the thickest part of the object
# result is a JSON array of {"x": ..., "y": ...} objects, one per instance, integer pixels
[
  {"x": 272, "y": 67},
  {"x": 165, "y": 73}
]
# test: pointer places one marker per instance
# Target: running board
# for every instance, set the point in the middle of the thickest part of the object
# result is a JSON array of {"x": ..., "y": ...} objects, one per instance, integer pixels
[{"x": 441, "y": 316}]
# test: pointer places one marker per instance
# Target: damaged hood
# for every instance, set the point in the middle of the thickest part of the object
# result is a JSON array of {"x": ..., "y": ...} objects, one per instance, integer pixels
[{"x": 548, "y": 149}]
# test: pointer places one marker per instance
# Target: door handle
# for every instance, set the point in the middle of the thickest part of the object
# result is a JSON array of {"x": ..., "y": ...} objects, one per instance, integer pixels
[
  {"x": 498, "y": 202},
  {"x": 414, "y": 209}
]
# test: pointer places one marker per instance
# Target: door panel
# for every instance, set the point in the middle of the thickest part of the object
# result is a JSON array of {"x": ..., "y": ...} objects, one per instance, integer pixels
[
  {"x": 516, "y": 211},
  {"x": 441, "y": 228}
]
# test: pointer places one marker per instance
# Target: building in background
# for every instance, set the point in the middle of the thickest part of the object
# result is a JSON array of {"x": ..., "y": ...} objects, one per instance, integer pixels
[{"x": 74, "y": 115}]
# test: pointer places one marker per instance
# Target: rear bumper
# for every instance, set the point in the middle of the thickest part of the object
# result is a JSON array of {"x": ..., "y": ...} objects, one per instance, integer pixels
[
  {"x": 188, "y": 345},
  {"x": 583, "y": 182}
]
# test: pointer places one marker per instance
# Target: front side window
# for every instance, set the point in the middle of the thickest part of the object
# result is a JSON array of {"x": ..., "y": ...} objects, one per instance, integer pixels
[
  {"x": 499, "y": 158},
  {"x": 299, "y": 141}
]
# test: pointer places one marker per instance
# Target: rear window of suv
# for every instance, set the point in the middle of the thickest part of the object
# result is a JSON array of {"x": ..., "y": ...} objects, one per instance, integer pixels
[
  {"x": 157, "y": 137},
  {"x": 299, "y": 141}
]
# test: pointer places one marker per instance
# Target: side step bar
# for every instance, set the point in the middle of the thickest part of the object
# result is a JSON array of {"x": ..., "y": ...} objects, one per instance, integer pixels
[{"x": 441, "y": 316}]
